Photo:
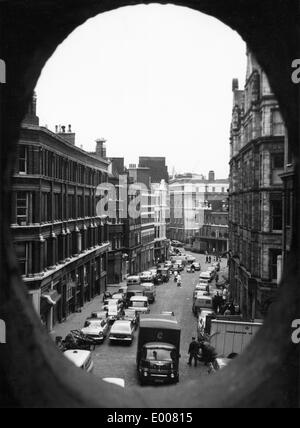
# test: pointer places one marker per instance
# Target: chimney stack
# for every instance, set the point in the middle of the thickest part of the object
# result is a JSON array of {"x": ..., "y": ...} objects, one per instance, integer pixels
[
  {"x": 211, "y": 176},
  {"x": 101, "y": 148},
  {"x": 235, "y": 85},
  {"x": 68, "y": 136},
  {"x": 31, "y": 117}
]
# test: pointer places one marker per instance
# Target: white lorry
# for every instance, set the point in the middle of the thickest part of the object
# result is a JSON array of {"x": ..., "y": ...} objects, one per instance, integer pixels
[{"x": 230, "y": 338}]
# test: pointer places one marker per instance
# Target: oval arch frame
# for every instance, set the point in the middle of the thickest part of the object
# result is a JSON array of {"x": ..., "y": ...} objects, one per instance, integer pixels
[{"x": 268, "y": 374}]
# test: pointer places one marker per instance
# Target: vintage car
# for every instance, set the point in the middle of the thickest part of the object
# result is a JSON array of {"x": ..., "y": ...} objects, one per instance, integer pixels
[
  {"x": 100, "y": 315},
  {"x": 133, "y": 280},
  {"x": 146, "y": 276},
  {"x": 196, "y": 266},
  {"x": 122, "y": 331},
  {"x": 140, "y": 304},
  {"x": 114, "y": 313},
  {"x": 117, "y": 301},
  {"x": 206, "y": 276},
  {"x": 96, "y": 329},
  {"x": 132, "y": 316},
  {"x": 203, "y": 286}
]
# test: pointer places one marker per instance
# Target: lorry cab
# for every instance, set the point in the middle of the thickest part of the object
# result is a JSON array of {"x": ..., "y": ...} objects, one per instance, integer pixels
[
  {"x": 165, "y": 273},
  {"x": 140, "y": 304},
  {"x": 149, "y": 291},
  {"x": 158, "y": 352}
]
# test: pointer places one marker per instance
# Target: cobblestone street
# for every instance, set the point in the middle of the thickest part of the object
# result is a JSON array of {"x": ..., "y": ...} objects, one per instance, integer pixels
[{"x": 119, "y": 361}]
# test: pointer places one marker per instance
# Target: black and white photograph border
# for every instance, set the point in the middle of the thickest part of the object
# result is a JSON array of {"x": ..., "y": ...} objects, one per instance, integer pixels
[{"x": 33, "y": 372}]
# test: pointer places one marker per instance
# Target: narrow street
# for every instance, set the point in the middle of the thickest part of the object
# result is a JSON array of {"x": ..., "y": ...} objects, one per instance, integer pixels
[{"x": 119, "y": 361}]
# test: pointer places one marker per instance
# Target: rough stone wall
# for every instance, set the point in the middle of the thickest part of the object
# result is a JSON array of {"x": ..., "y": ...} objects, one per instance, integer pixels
[{"x": 268, "y": 375}]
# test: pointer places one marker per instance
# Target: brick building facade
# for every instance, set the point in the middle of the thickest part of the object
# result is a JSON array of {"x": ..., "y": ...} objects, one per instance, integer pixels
[{"x": 61, "y": 242}]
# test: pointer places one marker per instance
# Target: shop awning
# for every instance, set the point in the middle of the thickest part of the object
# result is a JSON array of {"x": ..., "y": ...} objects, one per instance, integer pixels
[{"x": 52, "y": 297}]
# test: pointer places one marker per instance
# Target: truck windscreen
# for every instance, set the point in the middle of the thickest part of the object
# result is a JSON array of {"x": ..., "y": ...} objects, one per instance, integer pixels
[{"x": 159, "y": 355}]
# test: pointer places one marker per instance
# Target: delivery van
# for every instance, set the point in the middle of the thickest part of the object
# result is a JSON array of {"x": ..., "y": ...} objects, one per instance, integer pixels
[
  {"x": 149, "y": 291},
  {"x": 202, "y": 302}
]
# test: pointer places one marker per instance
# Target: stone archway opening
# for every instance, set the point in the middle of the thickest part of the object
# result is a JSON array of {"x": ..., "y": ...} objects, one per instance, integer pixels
[{"x": 265, "y": 372}]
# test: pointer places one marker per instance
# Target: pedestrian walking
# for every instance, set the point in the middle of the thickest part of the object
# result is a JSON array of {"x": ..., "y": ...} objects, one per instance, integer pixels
[
  {"x": 193, "y": 352},
  {"x": 179, "y": 280}
]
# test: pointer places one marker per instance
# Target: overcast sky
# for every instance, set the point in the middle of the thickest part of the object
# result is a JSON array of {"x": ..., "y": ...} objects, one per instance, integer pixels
[{"x": 152, "y": 80}]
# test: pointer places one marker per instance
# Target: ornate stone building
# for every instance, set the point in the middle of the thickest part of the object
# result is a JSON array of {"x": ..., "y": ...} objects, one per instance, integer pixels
[{"x": 256, "y": 193}]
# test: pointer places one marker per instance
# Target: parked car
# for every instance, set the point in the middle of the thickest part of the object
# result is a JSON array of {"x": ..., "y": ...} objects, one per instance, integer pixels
[
  {"x": 81, "y": 359},
  {"x": 114, "y": 313},
  {"x": 122, "y": 331},
  {"x": 101, "y": 315},
  {"x": 96, "y": 330},
  {"x": 140, "y": 304},
  {"x": 198, "y": 294},
  {"x": 203, "y": 287},
  {"x": 153, "y": 272},
  {"x": 212, "y": 271},
  {"x": 120, "y": 298},
  {"x": 190, "y": 259},
  {"x": 168, "y": 264},
  {"x": 133, "y": 280},
  {"x": 206, "y": 276},
  {"x": 146, "y": 276},
  {"x": 132, "y": 316},
  {"x": 177, "y": 268},
  {"x": 196, "y": 266},
  {"x": 134, "y": 290},
  {"x": 111, "y": 302}
]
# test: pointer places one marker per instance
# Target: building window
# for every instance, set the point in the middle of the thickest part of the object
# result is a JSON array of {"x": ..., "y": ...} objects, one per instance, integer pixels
[
  {"x": 278, "y": 161},
  {"x": 277, "y": 123},
  {"x": 274, "y": 254},
  {"x": 22, "y": 256},
  {"x": 276, "y": 212},
  {"x": 22, "y": 208},
  {"x": 23, "y": 160}
]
